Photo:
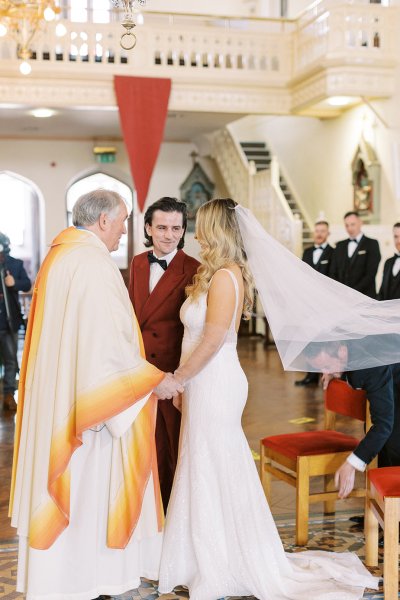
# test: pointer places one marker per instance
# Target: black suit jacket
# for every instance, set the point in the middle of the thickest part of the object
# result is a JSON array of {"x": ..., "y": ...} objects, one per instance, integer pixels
[
  {"x": 324, "y": 264},
  {"x": 359, "y": 271},
  {"x": 390, "y": 288},
  {"x": 382, "y": 386},
  {"x": 22, "y": 284}
]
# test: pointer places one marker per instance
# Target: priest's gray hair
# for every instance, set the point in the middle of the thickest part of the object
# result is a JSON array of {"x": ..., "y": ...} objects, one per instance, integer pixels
[{"x": 90, "y": 206}]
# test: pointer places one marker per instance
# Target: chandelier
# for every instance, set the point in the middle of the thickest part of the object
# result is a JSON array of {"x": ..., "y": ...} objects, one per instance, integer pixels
[
  {"x": 22, "y": 20},
  {"x": 130, "y": 7}
]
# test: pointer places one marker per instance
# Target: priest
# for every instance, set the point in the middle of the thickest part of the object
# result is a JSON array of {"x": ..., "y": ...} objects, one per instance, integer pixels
[{"x": 85, "y": 495}]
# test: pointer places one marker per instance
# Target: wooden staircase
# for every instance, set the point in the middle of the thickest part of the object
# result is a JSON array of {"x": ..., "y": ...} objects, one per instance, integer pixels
[{"x": 259, "y": 153}]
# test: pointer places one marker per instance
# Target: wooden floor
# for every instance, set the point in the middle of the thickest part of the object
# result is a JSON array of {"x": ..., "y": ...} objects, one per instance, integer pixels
[{"x": 275, "y": 405}]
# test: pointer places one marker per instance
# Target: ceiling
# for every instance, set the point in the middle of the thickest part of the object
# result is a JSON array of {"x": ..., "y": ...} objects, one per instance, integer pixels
[{"x": 100, "y": 124}]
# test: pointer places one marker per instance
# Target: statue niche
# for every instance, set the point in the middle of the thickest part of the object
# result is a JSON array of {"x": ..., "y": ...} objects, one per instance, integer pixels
[
  {"x": 363, "y": 189},
  {"x": 366, "y": 182},
  {"x": 195, "y": 191}
]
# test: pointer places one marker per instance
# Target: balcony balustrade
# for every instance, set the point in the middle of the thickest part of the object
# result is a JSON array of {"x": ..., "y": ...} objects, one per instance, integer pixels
[{"x": 234, "y": 65}]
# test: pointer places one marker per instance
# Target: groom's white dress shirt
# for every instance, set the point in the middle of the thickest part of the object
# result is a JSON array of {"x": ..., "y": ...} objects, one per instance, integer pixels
[{"x": 156, "y": 270}]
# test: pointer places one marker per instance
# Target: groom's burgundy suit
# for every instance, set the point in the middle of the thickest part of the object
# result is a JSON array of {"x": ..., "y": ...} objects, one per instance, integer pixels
[{"x": 162, "y": 330}]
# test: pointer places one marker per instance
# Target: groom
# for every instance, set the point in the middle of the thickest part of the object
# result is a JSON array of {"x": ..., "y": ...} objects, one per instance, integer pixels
[{"x": 158, "y": 279}]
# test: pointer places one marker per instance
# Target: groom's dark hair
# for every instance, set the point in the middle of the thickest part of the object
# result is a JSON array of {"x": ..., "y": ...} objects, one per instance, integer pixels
[{"x": 165, "y": 204}]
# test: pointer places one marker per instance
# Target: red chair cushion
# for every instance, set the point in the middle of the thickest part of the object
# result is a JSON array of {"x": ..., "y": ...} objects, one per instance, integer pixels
[
  {"x": 386, "y": 480},
  {"x": 308, "y": 443}
]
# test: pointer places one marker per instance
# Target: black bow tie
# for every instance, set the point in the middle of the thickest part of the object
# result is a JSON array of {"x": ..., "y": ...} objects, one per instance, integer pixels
[
  {"x": 353, "y": 240},
  {"x": 153, "y": 259},
  {"x": 319, "y": 248},
  {"x": 396, "y": 256}
]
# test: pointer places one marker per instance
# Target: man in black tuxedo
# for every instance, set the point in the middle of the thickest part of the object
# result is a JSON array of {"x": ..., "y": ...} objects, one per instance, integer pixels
[
  {"x": 382, "y": 386},
  {"x": 390, "y": 288},
  {"x": 355, "y": 260},
  {"x": 319, "y": 257}
]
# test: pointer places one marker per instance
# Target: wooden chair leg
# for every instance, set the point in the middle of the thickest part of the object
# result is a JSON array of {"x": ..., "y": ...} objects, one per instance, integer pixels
[
  {"x": 371, "y": 528},
  {"x": 264, "y": 475},
  {"x": 391, "y": 549},
  {"x": 329, "y": 485},
  {"x": 302, "y": 501}
]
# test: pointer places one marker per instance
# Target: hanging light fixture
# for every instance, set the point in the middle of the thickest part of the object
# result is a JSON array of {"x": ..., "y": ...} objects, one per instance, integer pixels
[
  {"x": 130, "y": 7},
  {"x": 22, "y": 19}
]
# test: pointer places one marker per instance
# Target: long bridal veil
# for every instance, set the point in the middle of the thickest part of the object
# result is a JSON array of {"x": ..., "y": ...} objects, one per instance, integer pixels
[{"x": 308, "y": 312}]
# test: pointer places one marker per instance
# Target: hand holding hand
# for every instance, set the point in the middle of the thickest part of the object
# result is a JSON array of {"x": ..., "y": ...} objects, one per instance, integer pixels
[
  {"x": 344, "y": 479},
  {"x": 325, "y": 379},
  {"x": 9, "y": 280},
  {"x": 168, "y": 388}
]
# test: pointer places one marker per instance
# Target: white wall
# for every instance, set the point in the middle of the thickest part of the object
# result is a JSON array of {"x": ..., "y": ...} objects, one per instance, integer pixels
[
  {"x": 295, "y": 7},
  {"x": 52, "y": 165}
]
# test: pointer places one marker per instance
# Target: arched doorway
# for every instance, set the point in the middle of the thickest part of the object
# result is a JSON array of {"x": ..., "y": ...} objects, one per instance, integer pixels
[
  {"x": 21, "y": 219},
  {"x": 94, "y": 180}
]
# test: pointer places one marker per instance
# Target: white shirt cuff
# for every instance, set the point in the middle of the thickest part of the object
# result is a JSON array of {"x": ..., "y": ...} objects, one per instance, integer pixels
[{"x": 356, "y": 462}]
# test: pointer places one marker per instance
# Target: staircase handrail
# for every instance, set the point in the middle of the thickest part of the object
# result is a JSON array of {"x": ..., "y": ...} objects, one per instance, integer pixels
[
  {"x": 276, "y": 185},
  {"x": 292, "y": 188},
  {"x": 235, "y": 169}
]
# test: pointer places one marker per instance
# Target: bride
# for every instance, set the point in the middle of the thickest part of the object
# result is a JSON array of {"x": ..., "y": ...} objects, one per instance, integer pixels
[{"x": 220, "y": 538}]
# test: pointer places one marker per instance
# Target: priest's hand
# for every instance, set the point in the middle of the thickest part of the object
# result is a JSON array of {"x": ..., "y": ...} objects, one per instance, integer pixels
[
  {"x": 168, "y": 388},
  {"x": 344, "y": 479}
]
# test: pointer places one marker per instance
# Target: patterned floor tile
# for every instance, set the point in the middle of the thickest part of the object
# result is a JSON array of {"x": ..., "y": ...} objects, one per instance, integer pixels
[{"x": 326, "y": 533}]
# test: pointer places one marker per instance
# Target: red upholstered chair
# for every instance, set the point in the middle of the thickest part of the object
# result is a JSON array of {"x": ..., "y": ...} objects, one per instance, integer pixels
[
  {"x": 296, "y": 457},
  {"x": 382, "y": 506}
]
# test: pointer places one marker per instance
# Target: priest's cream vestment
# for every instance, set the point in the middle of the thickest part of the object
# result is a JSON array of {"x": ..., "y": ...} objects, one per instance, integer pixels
[{"x": 85, "y": 495}]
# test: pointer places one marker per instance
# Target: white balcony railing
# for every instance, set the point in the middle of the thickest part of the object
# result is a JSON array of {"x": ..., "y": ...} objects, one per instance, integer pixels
[
  {"x": 179, "y": 45},
  {"x": 363, "y": 34},
  {"x": 258, "y": 50},
  {"x": 242, "y": 66}
]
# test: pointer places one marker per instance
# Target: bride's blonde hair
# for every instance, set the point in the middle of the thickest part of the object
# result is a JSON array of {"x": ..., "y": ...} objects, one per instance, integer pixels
[{"x": 217, "y": 228}]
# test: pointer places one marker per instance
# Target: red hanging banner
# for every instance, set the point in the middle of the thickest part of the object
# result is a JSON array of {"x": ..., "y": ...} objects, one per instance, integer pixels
[{"x": 143, "y": 107}]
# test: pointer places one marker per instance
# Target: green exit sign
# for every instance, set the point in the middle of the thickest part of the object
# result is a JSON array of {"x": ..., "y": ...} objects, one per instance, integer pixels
[
  {"x": 104, "y": 154},
  {"x": 105, "y": 158}
]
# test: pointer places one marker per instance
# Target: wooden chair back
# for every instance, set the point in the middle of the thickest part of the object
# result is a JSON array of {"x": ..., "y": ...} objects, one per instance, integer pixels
[{"x": 341, "y": 399}]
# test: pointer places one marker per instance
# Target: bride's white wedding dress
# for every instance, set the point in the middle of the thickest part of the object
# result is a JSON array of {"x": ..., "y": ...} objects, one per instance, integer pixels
[{"x": 220, "y": 538}]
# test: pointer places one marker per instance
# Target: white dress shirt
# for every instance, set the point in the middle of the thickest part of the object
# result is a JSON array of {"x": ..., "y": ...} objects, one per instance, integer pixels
[
  {"x": 356, "y": 462},
  {"x": 156, "y": 270},
  {"x": 396, "y": 266},
  {"x": 317, "y": 252},
  {"x": 352, "y": 245}
]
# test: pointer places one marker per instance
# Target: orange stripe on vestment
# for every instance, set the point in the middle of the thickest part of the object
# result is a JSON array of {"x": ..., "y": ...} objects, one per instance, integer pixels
[
  {"x": 32, "y": 337},
  {"x": 124, "y": 511}
]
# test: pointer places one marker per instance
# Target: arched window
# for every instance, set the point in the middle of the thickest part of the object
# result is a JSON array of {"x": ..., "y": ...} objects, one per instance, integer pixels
[
  {"x": 124, "y": 254},
  {"x": 20, "y": 219},
  {"x": 88, "y": 11}
]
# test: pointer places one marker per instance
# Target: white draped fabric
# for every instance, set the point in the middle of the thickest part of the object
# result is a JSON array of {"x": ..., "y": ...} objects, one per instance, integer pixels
[
  {"x": 307, "y": 311},
  {"x": 79, "y": 565}
]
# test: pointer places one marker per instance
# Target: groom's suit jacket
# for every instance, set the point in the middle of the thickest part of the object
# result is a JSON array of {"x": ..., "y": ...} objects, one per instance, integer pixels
[
  {"x": 390, "y": 288},
  {"x": 158, "y": 312},
  {"x": 162, "y": 330},
  {"x": 382, "y": 386}
]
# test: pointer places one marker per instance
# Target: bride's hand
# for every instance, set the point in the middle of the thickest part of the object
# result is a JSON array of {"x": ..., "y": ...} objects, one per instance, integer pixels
[{"x": 177, "y": 402}]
